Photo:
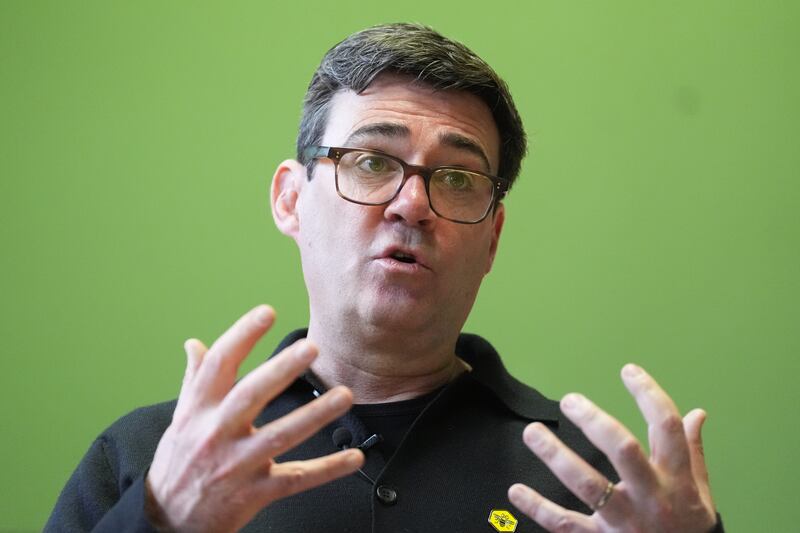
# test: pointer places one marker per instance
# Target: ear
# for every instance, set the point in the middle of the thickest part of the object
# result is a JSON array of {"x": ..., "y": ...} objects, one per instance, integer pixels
[
  {"x": 286, "y": 185},
  {"x": 498, "y": 218}
]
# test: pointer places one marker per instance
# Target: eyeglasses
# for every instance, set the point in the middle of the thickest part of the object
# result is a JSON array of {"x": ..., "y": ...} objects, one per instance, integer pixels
[{"x": 369, "y": 177}]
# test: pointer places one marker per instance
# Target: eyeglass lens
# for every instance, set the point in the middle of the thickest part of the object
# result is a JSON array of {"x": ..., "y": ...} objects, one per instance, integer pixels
[{"x": 372, "y": 178}]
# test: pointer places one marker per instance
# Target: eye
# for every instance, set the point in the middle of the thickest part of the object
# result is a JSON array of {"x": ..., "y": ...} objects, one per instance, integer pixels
[
  {"x": 458, "y": 181},
  {"x": 374, "y": 164}
]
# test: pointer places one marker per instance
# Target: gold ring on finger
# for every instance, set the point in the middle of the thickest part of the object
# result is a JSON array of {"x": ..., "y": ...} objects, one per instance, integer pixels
[{"x": 604, "y": 498}]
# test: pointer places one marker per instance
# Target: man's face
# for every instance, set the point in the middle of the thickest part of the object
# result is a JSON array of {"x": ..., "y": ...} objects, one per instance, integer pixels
[{"x": 349, "y": 251}]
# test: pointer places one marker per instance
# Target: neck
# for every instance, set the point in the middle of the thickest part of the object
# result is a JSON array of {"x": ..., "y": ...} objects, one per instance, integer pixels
[{"x": 383, "y": 368}]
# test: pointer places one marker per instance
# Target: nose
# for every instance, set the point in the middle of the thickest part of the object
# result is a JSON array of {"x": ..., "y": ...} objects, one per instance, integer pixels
[{"x": 411, "y": 204}]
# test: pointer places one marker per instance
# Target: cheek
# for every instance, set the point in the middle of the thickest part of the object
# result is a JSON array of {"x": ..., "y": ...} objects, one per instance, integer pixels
[
  {"x": 333, "y": 233},
  {"x": 312, "y": 232},
  {"x": 470, "y": 254}
]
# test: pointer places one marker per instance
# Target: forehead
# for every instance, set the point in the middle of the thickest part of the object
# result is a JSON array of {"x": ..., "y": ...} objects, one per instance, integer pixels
[{"x": 428, "y": 116}]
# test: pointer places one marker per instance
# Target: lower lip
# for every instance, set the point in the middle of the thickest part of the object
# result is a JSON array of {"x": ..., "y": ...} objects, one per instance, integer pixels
[{"x": 393, "y": 265}]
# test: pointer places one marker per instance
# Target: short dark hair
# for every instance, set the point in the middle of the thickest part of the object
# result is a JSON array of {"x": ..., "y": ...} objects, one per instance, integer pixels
[{"x": 427, "y": 55}]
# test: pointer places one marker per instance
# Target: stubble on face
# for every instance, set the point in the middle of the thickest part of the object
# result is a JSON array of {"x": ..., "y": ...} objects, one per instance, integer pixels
[{"x": 341, "y": 243}]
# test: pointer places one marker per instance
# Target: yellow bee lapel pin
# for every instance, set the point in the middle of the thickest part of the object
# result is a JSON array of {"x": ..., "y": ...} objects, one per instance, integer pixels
[{"x": 502, "y": 520}]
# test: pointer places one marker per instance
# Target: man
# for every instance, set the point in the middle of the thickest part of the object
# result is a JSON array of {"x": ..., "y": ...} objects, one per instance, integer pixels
[{"x": 384, "y": 417}]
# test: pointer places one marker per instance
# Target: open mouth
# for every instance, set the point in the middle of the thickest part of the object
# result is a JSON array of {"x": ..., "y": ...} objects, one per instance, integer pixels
[{"x": 403, "y": 257}]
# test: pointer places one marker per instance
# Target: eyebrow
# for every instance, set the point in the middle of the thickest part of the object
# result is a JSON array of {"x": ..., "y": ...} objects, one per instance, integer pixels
[
  {"x": 381, "y": 129},
  {"x": 394, "y": 130},
  {"x": 456, "y": 140}
]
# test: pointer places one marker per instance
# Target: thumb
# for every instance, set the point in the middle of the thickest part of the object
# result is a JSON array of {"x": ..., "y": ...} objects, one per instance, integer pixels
[
  {"x": 693, "y": 425},
  {"x": 195, "y": 351}
]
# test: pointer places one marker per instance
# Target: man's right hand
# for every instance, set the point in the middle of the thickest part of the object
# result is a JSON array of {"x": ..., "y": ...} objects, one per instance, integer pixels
[{"x": 213, "y": 470}]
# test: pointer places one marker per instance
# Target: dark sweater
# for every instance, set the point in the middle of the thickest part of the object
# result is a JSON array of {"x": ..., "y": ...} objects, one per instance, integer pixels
[{"x": 452, "y": 468}]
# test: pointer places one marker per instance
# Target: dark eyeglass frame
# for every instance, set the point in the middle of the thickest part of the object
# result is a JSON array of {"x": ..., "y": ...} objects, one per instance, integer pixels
[{"x": 335, "y": 154}]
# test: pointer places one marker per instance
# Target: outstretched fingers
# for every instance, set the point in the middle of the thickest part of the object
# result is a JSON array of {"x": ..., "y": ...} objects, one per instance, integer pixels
[
  {"x": 212, "y": 466},
  {"x": 667, "y": 491},
  {"x": 195, "y": 351},
  {"x": 668, "y": 446},
  {"x": 612, "y": 438},
  {"x": 547, "y": 514},
  {"x": 217, "y": 373},
  {"x": 289, "y": 478},
  {"x": 283, "y": 434},
  {"x": 251, "y": 393},
  {"x": 693, "y": 424},
  {"x": 577, "y": 475}
]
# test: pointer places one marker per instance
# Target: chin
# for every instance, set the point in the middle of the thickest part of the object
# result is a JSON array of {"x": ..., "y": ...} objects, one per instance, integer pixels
[{"x": 399, "y": 313}]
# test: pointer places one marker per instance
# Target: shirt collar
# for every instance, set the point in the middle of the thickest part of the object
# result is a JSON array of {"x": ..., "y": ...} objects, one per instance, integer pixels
[{"x": 489, "y": 371}]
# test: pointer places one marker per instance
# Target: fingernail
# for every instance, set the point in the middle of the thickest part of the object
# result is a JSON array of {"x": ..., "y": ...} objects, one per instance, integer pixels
[
  {"x": 516, "y": 492},
  {"x": 631, "y": 371},
  {"x": 305, "y": 351},
  {"x": 339, "y": 399},
  {"x": 263, "y": 315},
  {"x": 573, "y": 401},
  {"x": 534, "y": 435},
  {"x": 354, "y": 457}
]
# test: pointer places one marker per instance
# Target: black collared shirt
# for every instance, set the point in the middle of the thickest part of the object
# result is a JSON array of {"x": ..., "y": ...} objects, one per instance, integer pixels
[{"x": 452, "y": 468}]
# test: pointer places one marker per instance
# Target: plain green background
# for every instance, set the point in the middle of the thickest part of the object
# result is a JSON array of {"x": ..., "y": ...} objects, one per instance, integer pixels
[{"x": 656, "y": 218}]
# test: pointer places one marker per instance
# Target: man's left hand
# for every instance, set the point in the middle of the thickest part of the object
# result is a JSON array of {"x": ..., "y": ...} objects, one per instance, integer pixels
[{"x": 666, "y": 492}]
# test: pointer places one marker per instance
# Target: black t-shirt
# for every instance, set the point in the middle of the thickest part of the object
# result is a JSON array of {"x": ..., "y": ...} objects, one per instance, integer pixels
[{"x": 391, "y": 420}]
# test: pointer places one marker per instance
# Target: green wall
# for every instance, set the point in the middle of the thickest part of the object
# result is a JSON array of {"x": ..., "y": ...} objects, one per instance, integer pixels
[{"x": 656, "y": 219}]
